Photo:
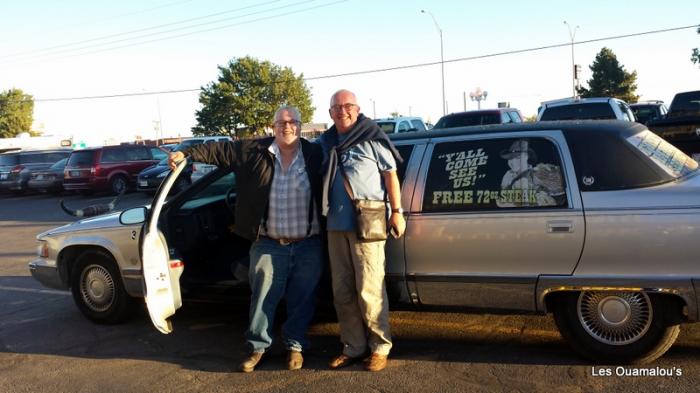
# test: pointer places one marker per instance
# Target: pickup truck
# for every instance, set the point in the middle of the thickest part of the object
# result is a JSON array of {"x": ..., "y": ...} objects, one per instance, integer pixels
[
  {"x": 681, "y": 127},
  {"x": 596, "y": 222}
]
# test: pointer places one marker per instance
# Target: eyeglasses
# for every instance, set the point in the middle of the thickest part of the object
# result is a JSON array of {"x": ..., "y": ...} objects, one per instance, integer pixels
[
  {"x": 283, "y": 123},
  {"x": 347, "y": 107}
]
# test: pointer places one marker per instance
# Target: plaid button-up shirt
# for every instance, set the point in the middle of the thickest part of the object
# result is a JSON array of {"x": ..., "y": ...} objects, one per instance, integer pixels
[{"x": 290, "y": 196}]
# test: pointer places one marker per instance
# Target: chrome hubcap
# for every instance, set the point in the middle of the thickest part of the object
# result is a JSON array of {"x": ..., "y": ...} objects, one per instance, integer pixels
[
  {"x": 615, "y": 318},
  {"x": 97, "y": 288}
]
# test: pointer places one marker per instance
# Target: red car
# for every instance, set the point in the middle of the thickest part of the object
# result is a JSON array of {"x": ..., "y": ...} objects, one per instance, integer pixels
[{"x": 108, "y": 168}]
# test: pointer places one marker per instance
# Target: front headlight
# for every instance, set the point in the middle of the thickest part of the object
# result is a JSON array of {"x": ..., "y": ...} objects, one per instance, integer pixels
[
  {"x": 163, "y": 174},
  {"x": 43, "y": 249}
]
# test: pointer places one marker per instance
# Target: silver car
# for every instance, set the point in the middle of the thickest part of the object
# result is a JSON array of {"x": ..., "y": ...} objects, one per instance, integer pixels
[{"x": 596, "y": 222}]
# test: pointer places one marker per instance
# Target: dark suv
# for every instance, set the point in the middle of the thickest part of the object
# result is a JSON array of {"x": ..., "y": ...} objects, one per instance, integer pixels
[
  {"x": 16, "y": 167},
  {"x": 110, "y": 168},
  {"x": 480, "y": 117}
]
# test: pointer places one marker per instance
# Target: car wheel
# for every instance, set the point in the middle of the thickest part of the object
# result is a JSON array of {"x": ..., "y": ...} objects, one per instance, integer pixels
[
  {"x": 617, "y": 326},
  {"x": 98, "y": 290},
  {"x": 118, "y": 184}
]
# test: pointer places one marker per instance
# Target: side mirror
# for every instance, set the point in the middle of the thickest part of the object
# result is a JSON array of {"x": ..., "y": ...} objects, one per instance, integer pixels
[{"x": 133, "y": 216}]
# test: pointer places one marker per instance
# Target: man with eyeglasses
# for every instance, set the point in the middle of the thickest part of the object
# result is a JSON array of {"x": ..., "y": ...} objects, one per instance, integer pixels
[
  {"x": 278, "y": 200},
  {"x": 360, "y": 164}
]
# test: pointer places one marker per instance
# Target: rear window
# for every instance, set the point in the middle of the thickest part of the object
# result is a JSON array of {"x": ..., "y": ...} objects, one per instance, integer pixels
[
  {"x": 81, "y": 158},
  {"x": 59, "y": 164},
  {"x": 686, "y": 104},
  {"x": 9, "y": 159},
  {"x": 592, "y": 111},
  {"x": 666, "y": 156},
  {"x": 386, "y": 126},
  {"x": 468, "y": 119},
  {"x": 36, "y": 158}
]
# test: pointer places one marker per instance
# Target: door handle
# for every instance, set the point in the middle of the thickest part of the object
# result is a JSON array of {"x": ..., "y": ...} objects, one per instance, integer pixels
[{"x": 559, "y": 226}]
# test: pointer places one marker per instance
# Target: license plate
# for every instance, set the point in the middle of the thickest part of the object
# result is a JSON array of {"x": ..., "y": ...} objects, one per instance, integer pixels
[
  {"x": 75, "y": 173},
  {"x": 143, "y": 183},
  {"x": 3, "y": 176}
]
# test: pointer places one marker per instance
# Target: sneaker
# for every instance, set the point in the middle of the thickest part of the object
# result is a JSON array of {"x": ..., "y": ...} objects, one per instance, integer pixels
[
  {"x": 341, "y": 360},
  {"x": 249, "y": 363},
  {"x": 376, "y": 362},
  {"x": 294, "y": 360}
]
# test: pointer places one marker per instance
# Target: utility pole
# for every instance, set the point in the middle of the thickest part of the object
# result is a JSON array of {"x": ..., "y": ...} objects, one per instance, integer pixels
[
  {"x": 442, "y": 61},
  {"x": 574, "y": 76}
]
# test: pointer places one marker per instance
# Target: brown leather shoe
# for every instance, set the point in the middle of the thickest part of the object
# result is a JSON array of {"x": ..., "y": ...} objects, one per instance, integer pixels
[
  {"x": 248, "y": 364},
  {"x": 294, "y": 360},
  {"x": 376, "y": 362},
  {"x": 342, "y": 360}
]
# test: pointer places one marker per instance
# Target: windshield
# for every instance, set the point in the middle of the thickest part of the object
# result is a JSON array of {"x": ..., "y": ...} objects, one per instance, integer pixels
[
  {"x": 686, "y": 104},
  {"x": 666, "y": 156}
]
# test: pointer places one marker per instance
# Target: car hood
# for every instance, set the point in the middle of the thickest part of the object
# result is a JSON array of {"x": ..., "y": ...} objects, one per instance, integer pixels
[{"x": 104, "y": 221}]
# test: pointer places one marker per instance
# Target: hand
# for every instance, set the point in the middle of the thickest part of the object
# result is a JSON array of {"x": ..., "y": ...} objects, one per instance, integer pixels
[
  {"x": 398, "y": 224},
  {"x": 174, "y": 159}
]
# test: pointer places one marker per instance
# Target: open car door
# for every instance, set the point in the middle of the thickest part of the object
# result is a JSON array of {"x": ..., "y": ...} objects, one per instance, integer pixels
[{"x": 161, "y": 274}]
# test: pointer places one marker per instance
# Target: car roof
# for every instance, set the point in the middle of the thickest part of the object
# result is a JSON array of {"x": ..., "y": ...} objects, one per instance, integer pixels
[
  {"x": 591, "y": 127},
  {"x": 400, "y": 118},
  {"x": 571, "y": 101}
]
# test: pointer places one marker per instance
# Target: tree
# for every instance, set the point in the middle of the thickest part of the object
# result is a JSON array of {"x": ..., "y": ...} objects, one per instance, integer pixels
[
  {"x": 16, "y": 113},
  {"x": 695, "y": 57},
  {"x": 610, "y": 79},
  {"x": 246, "y": 95}
]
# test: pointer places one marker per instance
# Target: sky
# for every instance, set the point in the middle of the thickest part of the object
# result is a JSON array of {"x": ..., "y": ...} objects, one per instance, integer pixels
[{"x": 64, "y": 53}]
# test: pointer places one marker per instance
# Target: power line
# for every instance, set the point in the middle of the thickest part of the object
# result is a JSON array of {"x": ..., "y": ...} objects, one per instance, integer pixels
[
  {"x": 377, "y": 70},
  {"x": 52, "y": 48}
]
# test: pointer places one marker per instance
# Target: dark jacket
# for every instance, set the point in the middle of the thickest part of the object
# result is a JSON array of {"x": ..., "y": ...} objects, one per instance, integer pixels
[{"x": 254, "y": 166}]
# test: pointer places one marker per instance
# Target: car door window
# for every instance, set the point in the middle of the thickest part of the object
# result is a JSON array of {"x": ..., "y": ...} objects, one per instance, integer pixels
[
  {"x": 505, "y": 118},
  {"x": 114, "y": 155},
  {"x": 215, "y": 190},
  {"x": 418, "y": 125},
  {"x": 494, "y": 174},
  {"x": 404, "y": 126},
  {"x": 138, "y": 154},
  {"x": 405, "y": 151},
  {"x": 515, "y": 117}
]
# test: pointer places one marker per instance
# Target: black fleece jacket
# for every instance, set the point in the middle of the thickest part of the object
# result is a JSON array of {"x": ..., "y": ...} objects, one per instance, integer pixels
[{"x": 254, "y": 166}]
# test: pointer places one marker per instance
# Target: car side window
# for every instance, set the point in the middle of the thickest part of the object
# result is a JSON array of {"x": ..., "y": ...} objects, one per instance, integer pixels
[
  {"x": 625, "y": 111},
  {"x": 516, "y": 117},
  {"x": 137, "y": 154},
  {"x": 405, "y": 151},
  {"x": 493, "y": 174},
  {"x": 113, "y": 155},
  {"x": 404, "y": 126},
  {"x": 505, "y": 118}
]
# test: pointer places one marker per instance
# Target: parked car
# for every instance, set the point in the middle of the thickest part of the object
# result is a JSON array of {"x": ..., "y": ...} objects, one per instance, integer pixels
[
  {"x": 200, "y": 169},
  {"x": 48, "y": 180},
  {"x": 16, "y": 167},
  {"x": 681, "y": 126},
  {"x": 595, "y": 222},
  {"x": 646, "y": 111},
  {"x": 480, "y": 117},
  {"x": 395, "y": 125},
  {"x": 108, "y": 168},
  {"x": 595, "y": 108},
  {"x": 150, "y": 178}
]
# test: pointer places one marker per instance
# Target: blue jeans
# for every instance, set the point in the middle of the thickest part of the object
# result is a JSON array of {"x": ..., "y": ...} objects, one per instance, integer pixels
[{"x": 292, "y": 271}]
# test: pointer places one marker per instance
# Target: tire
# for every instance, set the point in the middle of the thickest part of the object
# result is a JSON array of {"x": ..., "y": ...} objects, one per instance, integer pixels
[
  {"x": 118, "y": 184},
  {"x": 618, "y": 327},
  {"x": 98, "y": 290}
]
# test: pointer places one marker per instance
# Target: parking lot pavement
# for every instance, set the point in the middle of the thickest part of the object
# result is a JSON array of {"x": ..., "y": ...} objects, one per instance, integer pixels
[{"x": 46, "y": 345}]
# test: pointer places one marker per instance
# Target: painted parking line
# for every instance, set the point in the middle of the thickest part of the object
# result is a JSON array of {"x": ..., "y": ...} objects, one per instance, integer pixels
[{"x": 33, "y": 290}]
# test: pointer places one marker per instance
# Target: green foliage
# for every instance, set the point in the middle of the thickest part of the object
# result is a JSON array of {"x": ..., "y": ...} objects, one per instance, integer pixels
[
  {"x": 244, "y": 98},
  {"x": 695, "y": 56},
  {"x": 16, "y": 113},
  {"x": 610, "y": 79}
]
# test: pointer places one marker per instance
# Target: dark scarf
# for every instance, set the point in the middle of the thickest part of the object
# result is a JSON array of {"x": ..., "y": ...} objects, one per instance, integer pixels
[{"x": 365, "y": 129}]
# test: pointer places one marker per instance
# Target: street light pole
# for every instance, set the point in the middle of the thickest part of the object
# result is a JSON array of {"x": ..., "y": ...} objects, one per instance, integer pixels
[
  {"x": 442, "y": 60},
  {"x": 478, "y": 95},
  {"x": 572, "y": 35},
  {"x": 374, "y": 108}
]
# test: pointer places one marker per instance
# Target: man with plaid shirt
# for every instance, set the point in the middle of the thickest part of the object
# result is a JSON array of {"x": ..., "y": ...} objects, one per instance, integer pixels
[{"x": 278, "y": 208}]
